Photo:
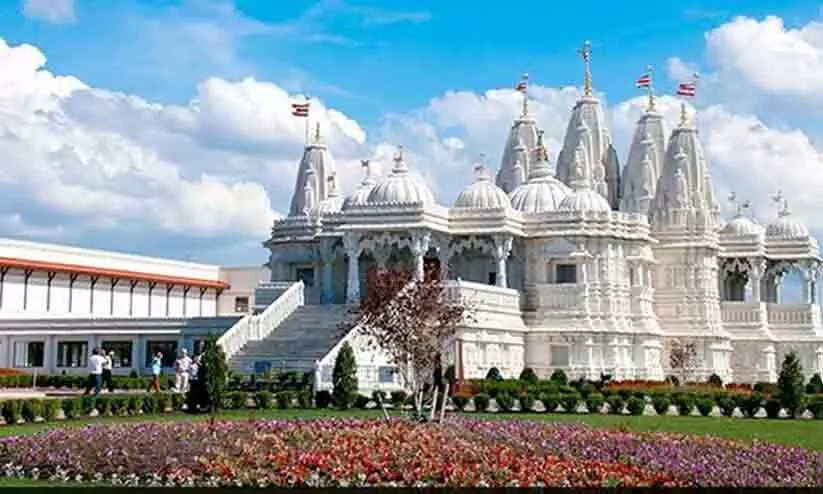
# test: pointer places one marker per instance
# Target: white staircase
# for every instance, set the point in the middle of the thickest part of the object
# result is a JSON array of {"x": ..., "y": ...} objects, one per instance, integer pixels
[{"x": 297, "y": 343}]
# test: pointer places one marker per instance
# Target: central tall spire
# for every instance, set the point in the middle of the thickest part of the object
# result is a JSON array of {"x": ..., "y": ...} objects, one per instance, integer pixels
[{"x": 515, "y": 164}]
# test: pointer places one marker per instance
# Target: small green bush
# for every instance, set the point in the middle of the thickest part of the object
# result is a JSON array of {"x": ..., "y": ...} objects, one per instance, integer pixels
[
  {"x": 550, "y": 401},
  {"x": 526, "y": 402},
  {"x": 460, "y": 402},
  {"x": 264, "y": 400},
  {"x": 135, "y": 404},
  {"x": 378, "y": 396},
  {"x": 528, "y": 376},
  {"x": 71, "y": 407},
  {"x": 594, "y": 402},
  {"x": 177, "y": 401},
  {"x": 494, "y": 374},
  {"x": 815, "y": 385},
  {"x": 12, "y": 411},
  {"x": 635, "y": 405},
  {"x": 150, "y": 404},
  {"x": 569, "y": 401},
  {"x": 87, "y": 404},
  {"x": 362, "y": 402},
  {"x": 705, "y": 405},
  {"x": 284, "y": 399},
  {"x": 559, "y": 377},
  {"x": 163, "y": 402},
  {"x": 398, "y": 398},
  {"x": 103, "y": 405},
  {"x": 305, "y": 399},
  {"x": 481, "y": 402},
  {"x": 586, "y": 389},
  {"x": 684, "y": 404},
  {"x": 51, "y": 409},
  {"x": 661, "y": 404},
  {"x": 505, "y": 402},
  {"x": 344, "y": 377},
  {"x": 816, "y": 406},
  {"x": 714, "y": 380},
  {"x": 322, "y": 399},
  {"x": 31, "y": 410},
  {"x": 119, "y": 405},
  {"x": 237, "y": 399},
  {"x": 750, "y": 404},
  {"x": 616, "y": 404},
  {"x": 727, "y": 404},
  {"x": 772, "y": 407}
]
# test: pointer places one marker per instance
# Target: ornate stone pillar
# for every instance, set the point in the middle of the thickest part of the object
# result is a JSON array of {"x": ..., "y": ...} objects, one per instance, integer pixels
[
  {"x": 444, "y": 255},
  {"x": 758, "y": 268},
  {"x": 811, "y": 272},
  {"x": 419, "y": 246},
  {"x": 351, "y": 244},
  {"x": 381, "y": 256},
  {"x": 502, "y": 249}
]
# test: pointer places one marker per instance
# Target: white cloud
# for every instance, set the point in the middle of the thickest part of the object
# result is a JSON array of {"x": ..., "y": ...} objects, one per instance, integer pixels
[{"x": 52, "y": 11}]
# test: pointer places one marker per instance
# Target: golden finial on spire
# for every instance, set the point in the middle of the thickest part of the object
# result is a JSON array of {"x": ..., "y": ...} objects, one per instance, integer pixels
[
  {"x": 650, "y": 89},
  {"x": 585, "y": 53},
  {"x": 541, "y": 153},
  {"x": 684, "y": 116}
]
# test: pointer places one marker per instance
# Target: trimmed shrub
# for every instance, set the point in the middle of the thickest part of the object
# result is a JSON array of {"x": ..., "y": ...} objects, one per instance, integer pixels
[
  {"x": 379, "y": 396},
  {"x": 135, "y": 404},
  {"x": 816, "y": 407},
  {"x": 31, "y": 409},
  {"x": 215, "y": 372},
  {"x": 51, "y": 409},
  {"x": 550, "y": 401},
  {"x": 460, "y": 401},
  {"x": 661, "y": 405},
  {"x": 815, "y": 385},
  {"x": 305, "y": 399},
  {"x": 684, "y": 404},
  {"x": 559, "y": 377},
  {"x": 704, "y": 405},
  {"x": 505, "y": 402},
  {"x": 529, "y": 376},
  {"x": 284, "y": 399},
  {"x": 714, "y": 380},
  {"x": 263, "y": 400},
  {"x": 177, "y": 401},
  {"x": 570, "y": 401},
  {"x": 594, "y": 402},
  {"x": 344, "y": 378},
  {"x": 12, "y": 411},
  {"x": 616, "y": 404},
  {"x": 481, "y": 402},
  {"x": 103, "y": 405},
  {"x": 790, "y": 385},
  {"x": 635, "y": 405},
  {"x": 772, "y": 407},
  {"x": 727, "y": 405},
  {"x": 322, "y": 399},
  {"x": 71, "y": 407},
  {"x": 494, "y": 374},
  {"x": 150, "y": 403},
  {"x": 586, "y": 389},
  {"x": 237, "y": 399},
  {"x": 87, "y": 404},
  {"x": 398, "y": 398},
  {"x": 750, "y": 404},
  {"x": 526, "y": 402},
  {"x": 362, "y": 402}
]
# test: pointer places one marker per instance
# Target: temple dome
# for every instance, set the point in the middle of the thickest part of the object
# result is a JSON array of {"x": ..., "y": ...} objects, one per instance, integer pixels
[
  {"x": 400, "y": 188},
  {"x": 584, "y": 200},
  {"x": 543, "y": 193},
  {"x": 741, "y": 226},
  {"x": 360, "y": 196},
  {"x": 331, "y": 205},
  {"x": 482, "y": 194},
  {"x": 787, "y": 227}
]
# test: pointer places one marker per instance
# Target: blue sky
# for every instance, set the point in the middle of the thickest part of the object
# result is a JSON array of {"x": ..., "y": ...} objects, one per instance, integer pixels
[
  {"x": 373, "y": 57},
  {"x": 168, "y": 150}
]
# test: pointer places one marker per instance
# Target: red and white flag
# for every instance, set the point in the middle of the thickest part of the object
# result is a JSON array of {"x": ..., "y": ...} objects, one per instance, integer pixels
[
  {"x": 644, "y": 80},
  {"x": 688, "y": 89},
  {"x": 300, "y": 109},
  {"x": 523, "y": 85}
]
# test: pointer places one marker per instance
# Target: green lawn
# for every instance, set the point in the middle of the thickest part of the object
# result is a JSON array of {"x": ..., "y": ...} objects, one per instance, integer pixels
[{"x": 802, "y": 433}]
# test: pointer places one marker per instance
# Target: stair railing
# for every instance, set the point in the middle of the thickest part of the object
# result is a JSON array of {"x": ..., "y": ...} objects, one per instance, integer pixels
[{"x": 255, "y": 327}]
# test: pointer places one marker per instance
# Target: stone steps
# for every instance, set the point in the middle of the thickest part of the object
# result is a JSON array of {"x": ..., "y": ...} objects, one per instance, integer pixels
[{"x": 303, "y": 338}]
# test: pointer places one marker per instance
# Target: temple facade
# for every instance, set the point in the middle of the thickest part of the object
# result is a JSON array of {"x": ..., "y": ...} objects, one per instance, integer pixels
[{"x": 584, "y": 266}]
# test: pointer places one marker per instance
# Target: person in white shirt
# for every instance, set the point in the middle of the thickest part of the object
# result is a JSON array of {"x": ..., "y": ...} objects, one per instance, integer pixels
[
  {"x": 181, "y": 367},
  {"x": 108, "y": 366},
  {"x": 96, "y": 362}
]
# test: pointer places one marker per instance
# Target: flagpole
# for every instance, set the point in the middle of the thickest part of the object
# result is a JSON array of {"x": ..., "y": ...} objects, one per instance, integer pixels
[
  {"x": 308, "y": 120},
  {"x": 650, "y": 88}
]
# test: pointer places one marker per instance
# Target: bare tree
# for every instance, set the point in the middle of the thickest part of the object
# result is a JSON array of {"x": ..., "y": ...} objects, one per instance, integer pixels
[
  {"x": 411, "y": 320},
  {"x": 683, "y": 359}
]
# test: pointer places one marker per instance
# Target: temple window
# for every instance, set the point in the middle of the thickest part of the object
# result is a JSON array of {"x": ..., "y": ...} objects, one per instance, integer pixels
[
  {"x": 565, "y": 273},
  {"x": 492, "y": 278}
]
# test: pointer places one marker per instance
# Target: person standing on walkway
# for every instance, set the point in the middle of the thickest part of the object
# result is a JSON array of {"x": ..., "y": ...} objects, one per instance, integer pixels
[
  {"x": 193, "y": 398},
  {"x": 96, "y": 362},
  {"x": 108, "y": 366},
  {"x": 181, "y": 367},
  {"x": 156, "y": 370}
]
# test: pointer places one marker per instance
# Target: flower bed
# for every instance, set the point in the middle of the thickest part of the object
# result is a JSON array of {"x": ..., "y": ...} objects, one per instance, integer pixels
[
  {"x": 339, "y": 452},
  {"x": 304, "y": 453},
  {"x": 696, "y": 460}
]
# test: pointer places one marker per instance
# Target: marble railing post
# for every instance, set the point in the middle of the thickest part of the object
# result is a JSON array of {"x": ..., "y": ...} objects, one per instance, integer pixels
[
  {"x": 502, "y": 249},
  {"x": 351, "y": 244}
]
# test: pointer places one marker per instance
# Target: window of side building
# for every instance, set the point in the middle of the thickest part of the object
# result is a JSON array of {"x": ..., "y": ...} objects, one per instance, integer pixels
[
  {"x": 167, "y": 348},
  {"x": 29, "y": 353},
  {"x": 241, "y": 304},
  {"x": 122, "y": 352},
  {"x": 73, "y": 354}
]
